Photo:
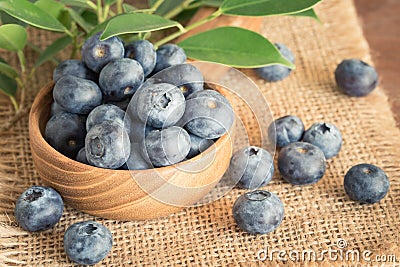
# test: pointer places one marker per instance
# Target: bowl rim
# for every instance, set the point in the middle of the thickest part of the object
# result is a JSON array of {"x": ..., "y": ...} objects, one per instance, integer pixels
[{"x": 34, "y": 130}]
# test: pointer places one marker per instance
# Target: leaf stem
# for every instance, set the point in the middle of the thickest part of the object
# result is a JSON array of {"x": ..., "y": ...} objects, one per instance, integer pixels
[
  {"x": 99, "y": 11},
  {"x": 119, "y": 6},
  {"x": 106, "y": 10},
  {"x": 22, "y": 60},
  {"x": 22, "y": 84},
  {"x": 188, "y": 28},
  {"x": 69, "y": 33},
  {"x": 112, "y": 13},
  {"x": 194, "y": 5},
  {"x": 74, "y": 28},
  {"x": 31, "y": 73},
  {"x": 14, "y": 102},
  {"x": 147, "y": 10},
  {"x": 156, "y": 6},
  {"x": 178, "y": 9}
]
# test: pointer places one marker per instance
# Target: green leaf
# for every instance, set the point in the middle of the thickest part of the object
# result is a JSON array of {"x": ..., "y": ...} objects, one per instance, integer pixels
[
  {"x": 12, "y": 37},
  {"x": 8, "y": 70},
  {"x": 167, "y": 6},
  {"x": 213, "y": 3},
  {"x": 90, "y": 17},
  {"x": 53, "y": 49},
  {"x": 79, "y": 3},
  {"x": 31, "y": 14},
  {"x": 7, "y": 19},
  {"x": 265, "y": 7},
  {"x": 65, "y": 18},
  {"x": 109, "y": 2},
  {"x": 233, "y": 46},
  {"x": 135, "y": 23},
  {"x": 52, "y": 7},
  {"x": 79, "y": 20},
  {"x": 185, "y": 16},
  {"x": 98, "y": 28},
  {"x": 7, "y": 85},
  {"x": 128, "y": 8},
  {"x": 308, "y": 13}
]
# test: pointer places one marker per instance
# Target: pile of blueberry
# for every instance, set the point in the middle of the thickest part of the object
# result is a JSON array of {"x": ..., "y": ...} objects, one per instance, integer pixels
[
  {"x": 131, "y": 107},
  {"x": 301, "y": 161},
  {"x": 40, "y": 208},
  {"x": 302, "y": 154},
  {"x": 127, "y": 106},
  {"x": 122, "y": 107}
]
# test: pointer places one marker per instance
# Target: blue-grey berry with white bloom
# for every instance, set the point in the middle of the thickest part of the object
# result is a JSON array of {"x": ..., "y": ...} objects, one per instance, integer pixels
[
  {"x": 366, "y": 183},
  {"x": 251, "y": 167},
  {"x": 326, "y": 136},
  {"x": 258, "y": 212},
  {"x": 38, "y": 208},
  {"x": 87, "y": 242},
  {"x": 276, "y": 72}
]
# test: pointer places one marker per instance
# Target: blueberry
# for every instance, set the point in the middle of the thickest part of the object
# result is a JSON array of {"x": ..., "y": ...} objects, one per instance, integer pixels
[
  {"x": 76, "y": 95},
  {"x": 288, "y": 129},
  {"x": 198, "y": 145},
  {"x": 65, "y": 132},
  {"x": 136, "y": 160},
  {"x": 55, "y": 108},
  {"x": 187, "y": 77},
  {"x": 258, "y": 212},
  {"x": 366, "y": 183},
  {"x": 107, "y": 112},
  {"x": 81, "y": 156},
  {"x": 107, "y": 145},
  {"x": 120, "y": 79},
  {"x": 169, "y": 55},
  {"x": 251, "y": 167},
  {"x": 208, "y": 114},
  {"x": 143, "y": 52},
  {"x": 73, "y": 67},
  {"x": 159, "y": 105},
  {"x": 355, "y": 77},
  {"x": 274, "y": 73},
  {"x": 96, "y": 54},
  {"x": 301, "y": 163},
  {"x": 38, "y": 208},
  {"x": 326, "y": 136},
  {"x": 167, "y": 146},
  {"x": 87, "y": 242},
  {"x": 123, "y": 104},
  {"x": 138, "y": 130}
]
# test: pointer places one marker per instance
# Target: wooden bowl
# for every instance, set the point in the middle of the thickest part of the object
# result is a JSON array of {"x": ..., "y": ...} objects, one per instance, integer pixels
[{"x": 116, "y": 194}]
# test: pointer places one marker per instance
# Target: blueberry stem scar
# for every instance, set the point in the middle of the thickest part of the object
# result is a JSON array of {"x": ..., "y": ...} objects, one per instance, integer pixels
[
  {"x": 258, "y": 195},
  {"x": 33, "y": 196}
]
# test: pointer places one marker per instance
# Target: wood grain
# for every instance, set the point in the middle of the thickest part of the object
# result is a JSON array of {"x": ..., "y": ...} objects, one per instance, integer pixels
[
  {"x": 380, "y": 21},
  {"x": 123, "y": 194},
  {"x": 116, "y": 194}
]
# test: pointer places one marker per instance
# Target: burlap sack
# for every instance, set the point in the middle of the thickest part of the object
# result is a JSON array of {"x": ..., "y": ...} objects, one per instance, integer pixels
[{"x": 322, "y": 226}]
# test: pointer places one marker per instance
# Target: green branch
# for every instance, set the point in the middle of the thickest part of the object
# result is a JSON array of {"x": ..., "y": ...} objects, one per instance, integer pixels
[
  {"x": 188, "y": 28},
  {"x": 14, "y": 102},
  {"x": 174, "y": 12},
  {"x": 156, "y": 5}
]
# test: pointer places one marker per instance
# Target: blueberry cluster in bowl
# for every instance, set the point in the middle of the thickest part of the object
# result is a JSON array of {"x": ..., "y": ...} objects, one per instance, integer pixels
[{"x": 129, "y": 106}]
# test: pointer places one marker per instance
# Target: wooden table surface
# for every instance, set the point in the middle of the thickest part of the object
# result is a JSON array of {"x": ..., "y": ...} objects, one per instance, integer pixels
[{"x": 380, "y": 21}]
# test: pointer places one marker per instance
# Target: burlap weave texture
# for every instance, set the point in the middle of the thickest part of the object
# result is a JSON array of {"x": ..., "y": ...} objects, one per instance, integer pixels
[{"x": 316, "y": 216}]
